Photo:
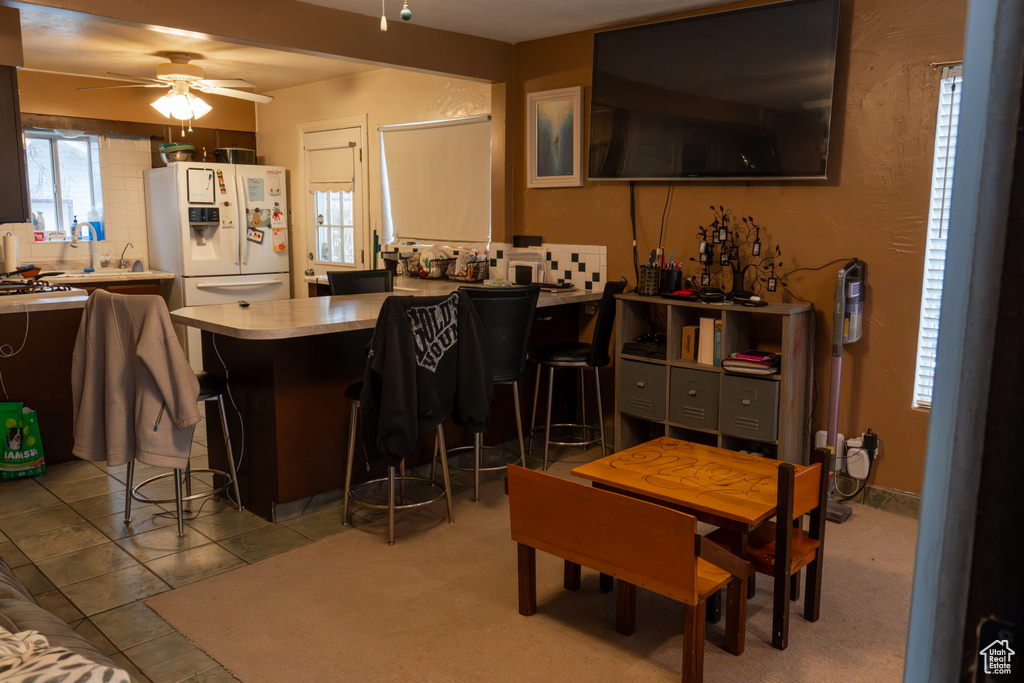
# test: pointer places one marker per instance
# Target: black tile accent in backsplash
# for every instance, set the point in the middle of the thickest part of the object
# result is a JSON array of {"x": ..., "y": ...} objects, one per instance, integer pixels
[
  {"x": 596, "y": 277},
  {"x": 575, "y": 258},
  {"x": 583, "y": 267},
  {"x": 568, "y": 275},
  {"x": 554, "y": 265},
  {"x": 494, "y": 262},
  {"x": 501, "y": 253},
  {"x": 549, "y": 255},
  {"x": 589, "y": 285}
]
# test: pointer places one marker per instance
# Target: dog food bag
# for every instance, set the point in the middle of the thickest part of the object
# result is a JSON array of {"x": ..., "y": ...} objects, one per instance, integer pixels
[{"x": 22, "y": 446}]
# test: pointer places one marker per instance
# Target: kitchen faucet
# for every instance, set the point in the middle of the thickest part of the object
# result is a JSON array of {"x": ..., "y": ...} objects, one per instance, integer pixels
[
  {"x": 123, "y": 263},
  {"x": 92, "y": 243}
]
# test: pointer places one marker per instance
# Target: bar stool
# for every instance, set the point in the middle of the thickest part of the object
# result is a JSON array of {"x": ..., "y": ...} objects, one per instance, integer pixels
[
  {"x": 580, "y": 355},
  {"x": 211, "y": 388},
  {"x": 507, "y": 315},
  {"x": 351, "y": 492}
]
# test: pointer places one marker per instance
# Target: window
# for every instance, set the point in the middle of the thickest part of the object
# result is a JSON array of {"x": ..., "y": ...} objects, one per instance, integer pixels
[
  {"x": 335, "y": 230},
  {"x": 938, "y": 227},
  {"x": 63, "y": 177},
  {"x": 436, "y": 181}
]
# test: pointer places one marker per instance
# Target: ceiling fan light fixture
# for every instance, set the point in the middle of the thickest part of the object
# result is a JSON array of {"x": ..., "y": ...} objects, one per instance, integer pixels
[{"x": 181, "y": 105}]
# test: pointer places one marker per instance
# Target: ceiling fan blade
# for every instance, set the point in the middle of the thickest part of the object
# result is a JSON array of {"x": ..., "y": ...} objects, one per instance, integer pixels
[
  {"x": 139, "y": 79},
  {"x": 238, "y": 94},
  {"x": 227, "y": 83},
  {"x": 136, "y": 85}
]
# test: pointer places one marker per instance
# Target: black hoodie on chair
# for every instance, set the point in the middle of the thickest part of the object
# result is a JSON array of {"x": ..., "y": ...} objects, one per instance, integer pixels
[{"x": 428, "y": 359}]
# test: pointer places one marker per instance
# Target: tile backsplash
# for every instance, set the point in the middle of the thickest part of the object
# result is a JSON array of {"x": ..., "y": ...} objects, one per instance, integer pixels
[
  {"x": 122, "y": 161},
  {"x": 584, "y": 265}
]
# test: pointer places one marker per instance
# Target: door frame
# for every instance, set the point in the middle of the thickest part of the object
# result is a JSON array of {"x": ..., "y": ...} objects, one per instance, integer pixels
[{"x": 363, "y": 188}]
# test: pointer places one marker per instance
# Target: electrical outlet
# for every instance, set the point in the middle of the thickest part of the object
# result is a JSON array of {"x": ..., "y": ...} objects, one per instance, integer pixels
[{"x": 857, "y": 463}]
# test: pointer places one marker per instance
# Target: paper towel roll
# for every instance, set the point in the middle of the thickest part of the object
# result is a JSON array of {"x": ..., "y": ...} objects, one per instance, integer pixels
[{"x": 10, "y": 253}]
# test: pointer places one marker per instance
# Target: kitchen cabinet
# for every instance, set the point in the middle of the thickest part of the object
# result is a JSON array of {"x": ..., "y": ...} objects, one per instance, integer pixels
[
  {"x": 14, "y": 204},
  {"x": 689, "y": 400},
  {"x": 125, "y": 287}
]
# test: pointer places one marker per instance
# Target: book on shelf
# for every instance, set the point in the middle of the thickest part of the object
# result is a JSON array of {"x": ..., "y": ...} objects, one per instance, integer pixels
[
  {"x": 717, "y": 355},
  {"x": 753, "y": 363},
  {"x": 706, "y": 342},
  {"x": 689, "y": 346}
]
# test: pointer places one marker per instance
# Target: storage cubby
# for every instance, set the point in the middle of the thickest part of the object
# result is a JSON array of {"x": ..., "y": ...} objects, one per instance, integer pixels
[{"x": 699, "y": 402}]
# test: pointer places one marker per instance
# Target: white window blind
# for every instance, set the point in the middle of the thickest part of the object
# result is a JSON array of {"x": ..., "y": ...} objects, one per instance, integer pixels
[
  {"x": 436, "y": 181},
  {"x": 938, "y": 227}
]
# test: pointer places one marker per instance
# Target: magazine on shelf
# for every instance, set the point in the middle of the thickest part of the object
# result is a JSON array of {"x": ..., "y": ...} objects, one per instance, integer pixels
[{"x": 753, "y": 363}]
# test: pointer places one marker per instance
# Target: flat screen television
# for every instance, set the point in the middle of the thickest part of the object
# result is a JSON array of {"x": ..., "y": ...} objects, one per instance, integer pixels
[{"x": 738, "y": 95}]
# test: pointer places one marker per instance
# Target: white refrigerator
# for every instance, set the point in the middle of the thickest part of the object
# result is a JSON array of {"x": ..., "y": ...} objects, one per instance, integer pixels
[{"x": 222, "y": 229}]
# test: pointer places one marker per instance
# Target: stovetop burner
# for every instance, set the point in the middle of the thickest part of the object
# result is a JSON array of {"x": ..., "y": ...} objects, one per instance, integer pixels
[{"x": 14, "y": 287}]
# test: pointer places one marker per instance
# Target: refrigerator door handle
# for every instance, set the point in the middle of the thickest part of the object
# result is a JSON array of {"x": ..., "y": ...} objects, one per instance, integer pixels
[
  {"x": 244, "y": 219},
  {"x": 254, "y": 283}
]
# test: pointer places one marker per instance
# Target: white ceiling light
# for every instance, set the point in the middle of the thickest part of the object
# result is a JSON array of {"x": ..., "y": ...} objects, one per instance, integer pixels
[{"x": 181, "y": 104}]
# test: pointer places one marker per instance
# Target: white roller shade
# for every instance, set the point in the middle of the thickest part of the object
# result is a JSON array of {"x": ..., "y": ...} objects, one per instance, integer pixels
[
  {"x": 331, "y": 165},
  {"x": 436, "y": 180}
]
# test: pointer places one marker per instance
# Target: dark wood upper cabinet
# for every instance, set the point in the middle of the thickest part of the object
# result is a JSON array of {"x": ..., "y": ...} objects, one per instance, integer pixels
[{"x": 14, "y": 204}]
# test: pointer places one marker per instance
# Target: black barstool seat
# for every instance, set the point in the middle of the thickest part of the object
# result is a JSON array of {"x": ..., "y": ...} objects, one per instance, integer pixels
[
  {"x": 210, "y": 385},
  {"x": 561, "y": 352},
  {"x": 352, "y": 391}
]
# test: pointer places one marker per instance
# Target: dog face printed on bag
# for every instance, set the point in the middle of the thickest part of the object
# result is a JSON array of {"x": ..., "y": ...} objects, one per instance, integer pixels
[{"x": 14, "y": 439}]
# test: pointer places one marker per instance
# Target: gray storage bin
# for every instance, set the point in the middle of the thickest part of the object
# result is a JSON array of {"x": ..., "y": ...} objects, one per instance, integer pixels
[
  {"x": 749, "y": 408},
  {"x": 642, "y": 390},
  {"x": 693, "y": 398}
]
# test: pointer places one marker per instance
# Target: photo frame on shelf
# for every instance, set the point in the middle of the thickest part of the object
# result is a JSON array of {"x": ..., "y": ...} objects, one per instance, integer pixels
[{"x": 554, "y": 138}]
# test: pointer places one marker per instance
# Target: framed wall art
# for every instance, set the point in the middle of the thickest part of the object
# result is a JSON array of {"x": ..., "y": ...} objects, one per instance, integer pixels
[{"x": 554, "y": 138}]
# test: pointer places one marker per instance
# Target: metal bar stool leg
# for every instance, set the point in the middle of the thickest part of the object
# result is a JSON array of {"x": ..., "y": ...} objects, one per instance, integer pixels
[
  {"x": 444, "y": 474},
  {"x": 519, "y": 424},
  {"x": 583, "y": 405},
  {"x": 128, "y": 493},
  {"x": 353, "y": 422},
  {"x": 401, "y": 479},
  {"x": 177, "y": 501},
  {"x": 230, "y": 451},
  {"x": 547, "y": 426},
  {"x": 391, "y": 505},
  {"x": 188, "y": 484},
  {"x": 600, "y": 410},
  {"x": 536, "y": 394},
  {"x": 478, "y": 442}
]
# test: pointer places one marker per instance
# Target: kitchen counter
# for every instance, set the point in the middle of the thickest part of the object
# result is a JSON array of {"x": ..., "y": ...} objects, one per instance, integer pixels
[
  {"x": 110, "y": 275},
  {"x": 288, "y": 363},
  {"x": 34, "y": 303},
  {"x": 290, "y": 318}
]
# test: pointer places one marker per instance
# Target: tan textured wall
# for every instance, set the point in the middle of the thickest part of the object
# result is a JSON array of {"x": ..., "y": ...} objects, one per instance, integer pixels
[
  {"x": 873, "y": 206},
  {"x": 58, "y": 95},
  {"x": 385, "y": 96}
]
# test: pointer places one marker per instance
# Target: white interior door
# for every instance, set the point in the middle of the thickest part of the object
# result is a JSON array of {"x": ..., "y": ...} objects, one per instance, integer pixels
[{"x": 338, "y": 230}]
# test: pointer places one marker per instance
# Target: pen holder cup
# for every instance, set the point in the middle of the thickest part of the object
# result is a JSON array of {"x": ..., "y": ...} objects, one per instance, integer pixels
[
  {"x": 671, "y": 280},
  {"x": 650, "y": 281}
]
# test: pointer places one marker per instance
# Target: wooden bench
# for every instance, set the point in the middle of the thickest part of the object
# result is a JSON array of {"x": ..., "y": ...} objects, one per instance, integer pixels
[{"x": 638, "y": 543}]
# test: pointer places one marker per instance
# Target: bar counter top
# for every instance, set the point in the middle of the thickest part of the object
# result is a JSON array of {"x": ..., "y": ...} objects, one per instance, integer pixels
[{"x": 290, "y": 318}]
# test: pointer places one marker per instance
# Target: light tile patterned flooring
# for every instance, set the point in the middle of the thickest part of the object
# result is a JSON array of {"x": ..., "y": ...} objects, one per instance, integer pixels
[{"x": 64, "y": 535}]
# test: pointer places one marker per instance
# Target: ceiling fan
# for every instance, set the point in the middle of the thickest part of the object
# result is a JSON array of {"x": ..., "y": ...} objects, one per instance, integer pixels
[{"x": 181, "y": 77}]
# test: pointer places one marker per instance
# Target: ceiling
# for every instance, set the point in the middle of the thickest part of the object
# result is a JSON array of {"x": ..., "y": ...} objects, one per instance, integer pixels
[{"x": 73, "y": 44}]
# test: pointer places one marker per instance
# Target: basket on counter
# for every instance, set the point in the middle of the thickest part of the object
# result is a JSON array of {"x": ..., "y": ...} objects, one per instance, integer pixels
[{"x": 476, "y": 271}]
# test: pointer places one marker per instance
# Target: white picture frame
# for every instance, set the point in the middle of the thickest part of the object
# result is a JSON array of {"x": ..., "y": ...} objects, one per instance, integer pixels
[{"x": 552, "y": 118}]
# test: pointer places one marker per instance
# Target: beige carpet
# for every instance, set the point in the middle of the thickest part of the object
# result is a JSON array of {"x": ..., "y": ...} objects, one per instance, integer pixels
[{"x": 441, "y": 605}]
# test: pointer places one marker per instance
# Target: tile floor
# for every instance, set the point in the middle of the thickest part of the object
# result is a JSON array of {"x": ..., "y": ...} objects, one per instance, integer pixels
[{"x": 63, "y": 534}]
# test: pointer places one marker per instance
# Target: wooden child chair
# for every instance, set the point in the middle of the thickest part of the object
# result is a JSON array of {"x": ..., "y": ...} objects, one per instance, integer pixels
[{"x": 638, "y": 543}]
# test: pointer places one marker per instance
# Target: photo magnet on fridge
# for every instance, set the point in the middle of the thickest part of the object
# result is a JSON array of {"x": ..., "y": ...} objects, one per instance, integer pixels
[{"x": 254, "y": 235}]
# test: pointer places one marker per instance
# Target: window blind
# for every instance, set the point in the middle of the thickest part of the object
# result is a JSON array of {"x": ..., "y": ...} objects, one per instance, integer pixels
[
  {"x": 436, "y": 181},
  {"x": 938, "y": 227},
  {"x": 330, "y": 160}
]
